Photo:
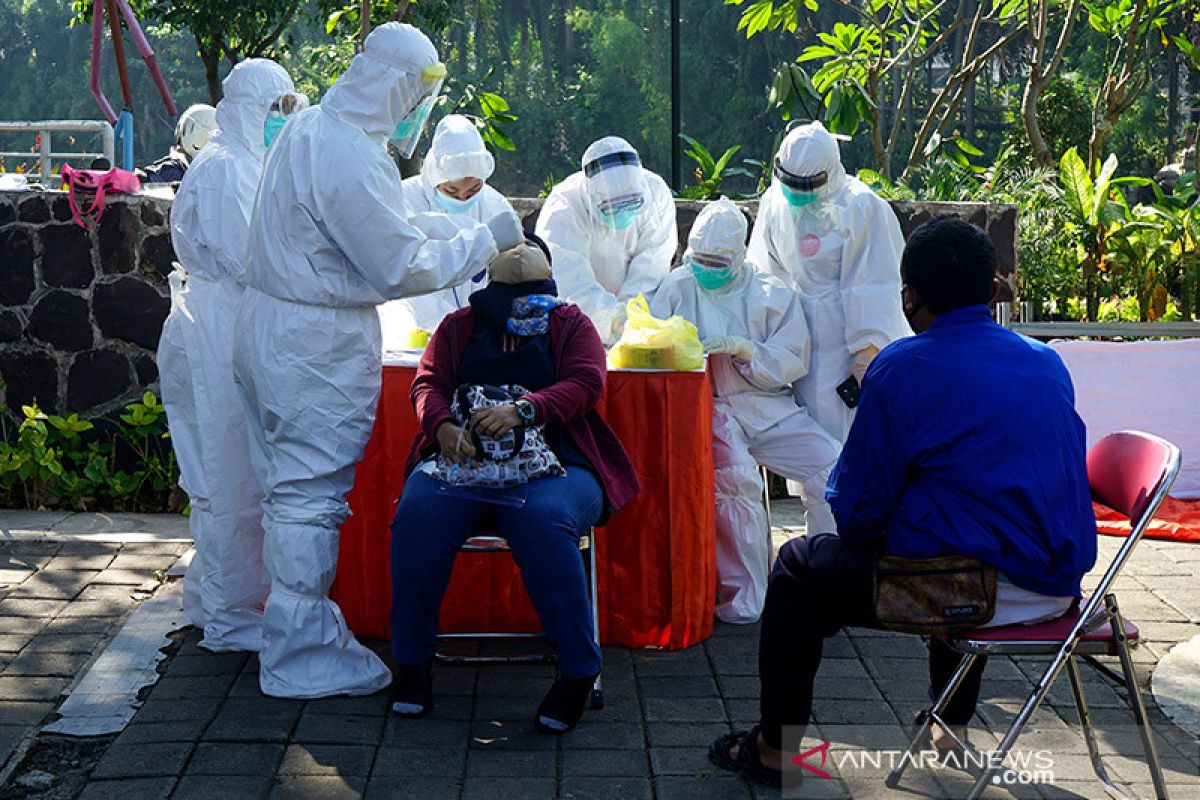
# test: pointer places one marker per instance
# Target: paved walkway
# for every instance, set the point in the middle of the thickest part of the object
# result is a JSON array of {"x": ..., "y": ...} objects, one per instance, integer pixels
[{"x": 205, "y": 730}]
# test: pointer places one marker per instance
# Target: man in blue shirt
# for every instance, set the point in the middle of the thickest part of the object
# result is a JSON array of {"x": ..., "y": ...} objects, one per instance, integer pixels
[{"x": 966, "y": 442}]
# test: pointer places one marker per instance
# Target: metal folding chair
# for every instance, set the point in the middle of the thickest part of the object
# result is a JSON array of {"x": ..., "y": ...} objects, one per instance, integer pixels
[
  {"x": 494, "y": 543},
  {"x": 1130, "y": 472}
]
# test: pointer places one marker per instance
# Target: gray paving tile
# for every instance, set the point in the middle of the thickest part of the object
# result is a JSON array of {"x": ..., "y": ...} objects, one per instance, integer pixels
[
  {"x": 183, "y": 730},
  {"x": 209, "y": 664},
  {"x": 50, "y": 585},
  {"x": 143, "y": 561},
  {"x": 319, "y": 787},
  {"x": 689, "y": 686},
  {"x": 683, "y": 734},
  {"x": 413, "y": 789},
  {"x": 679, "y": 761},
  {"x": 240, "y": 758},
  {"x": 90, "y": 563},
  {"x": 605, "y": 735},
  {"x": 431, "y": 762},
  {"x": 55, "y": 665},
  {"x": 15, "y": 626},
  {"x": 143, "y": 760},
  {"x": 606, "y": 789},
  {"x": 254, "y": 720},
  {"x": 14, "y": 643},
  {"x": 509, "y": 788},
  {"x": 590, "y": 763},
  {"x": 99, "y": 608},
  {"x": 338, "y": 729},
  {"x": 222, "y": 787},
  {"x": 79, "y": 625},
  {"x": 399, "y": 732},
  {"x": 126, "y": 577},
  {"x": 48, "y": 642},
  {"x": 704, "y": 709},
  {"x": 659, "y": 663},
  {"x": 501, "y": 735},
  {"x": 23, "y": 713},
  {"x": 192, "y": 688},
  {"x": 509, "y": 763},
  {"x": 327, "y": 759},
  {"x": 375, "y": 704},
  {"x": 154, "y": 710},
  {"x": 24, "y": 688},
  {"x": 141, "y": 788},
  {"x": 710, "y": 787},
  {"x": 31, "y": 608},
  {"x": 505, "y": 708}
]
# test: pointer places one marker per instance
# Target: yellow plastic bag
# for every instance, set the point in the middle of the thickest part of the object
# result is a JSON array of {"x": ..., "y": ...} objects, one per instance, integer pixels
[{"x": 652, "y": 343}]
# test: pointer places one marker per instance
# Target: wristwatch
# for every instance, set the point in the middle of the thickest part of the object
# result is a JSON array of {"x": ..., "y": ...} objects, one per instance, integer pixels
[{"x": 525, "y": 411}]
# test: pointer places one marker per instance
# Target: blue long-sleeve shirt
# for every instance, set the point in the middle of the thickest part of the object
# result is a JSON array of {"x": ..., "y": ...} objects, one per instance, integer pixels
[{"x": 967, "y": 442}]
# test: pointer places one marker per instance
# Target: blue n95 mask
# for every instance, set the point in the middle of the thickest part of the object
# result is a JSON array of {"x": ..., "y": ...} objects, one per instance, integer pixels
[
  {"x": 452, "y": 205},
  {"x": 620, "y": 219},
  {"x": 711, "y": 279},
  {"x": 272, "y": 127},
  {"x": 796, "y": 198}
]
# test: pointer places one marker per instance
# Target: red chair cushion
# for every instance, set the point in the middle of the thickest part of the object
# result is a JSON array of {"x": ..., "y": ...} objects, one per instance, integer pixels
[{"x": 1056, "y": 630}]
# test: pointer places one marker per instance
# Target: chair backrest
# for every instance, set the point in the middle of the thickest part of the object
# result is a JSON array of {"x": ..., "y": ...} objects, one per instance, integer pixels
[{"x": 1130, "y": 472}]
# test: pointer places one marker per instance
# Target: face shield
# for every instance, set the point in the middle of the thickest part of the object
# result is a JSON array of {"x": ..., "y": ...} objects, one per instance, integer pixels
[
  {"x": 408, "y": 130},
  {"x": 616, "y": 187},
  {"x": 799, "y": 190},
  {"x": 282, "y": 109},
  {"x": 716, "y": 249}
]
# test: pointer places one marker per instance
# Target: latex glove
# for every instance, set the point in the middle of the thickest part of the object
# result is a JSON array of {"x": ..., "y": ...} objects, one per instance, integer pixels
[
  {"x": 442, "y": 227},
  {"x": 741, "y": 350},
  {"x": 862, "y": 360},
  {"x": 506, "y": 230},
  {"x": 618, "y": 323}
]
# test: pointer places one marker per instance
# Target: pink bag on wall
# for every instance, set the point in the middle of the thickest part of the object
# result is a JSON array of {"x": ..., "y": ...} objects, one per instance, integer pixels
[{"x": 97, "y": 184}]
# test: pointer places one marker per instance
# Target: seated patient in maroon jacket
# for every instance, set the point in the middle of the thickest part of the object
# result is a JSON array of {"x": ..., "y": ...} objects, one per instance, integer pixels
[{"x": 515, "y": 332}]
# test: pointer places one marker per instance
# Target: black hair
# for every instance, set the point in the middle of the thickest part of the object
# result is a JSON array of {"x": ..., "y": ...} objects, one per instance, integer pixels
[
  {"x": 537, "y": 240},
  {"x": 950, "y": 264}
]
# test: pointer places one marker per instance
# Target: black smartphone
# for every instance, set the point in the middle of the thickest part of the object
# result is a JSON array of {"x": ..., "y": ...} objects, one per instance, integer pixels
[{"x": 849, "y": 391}]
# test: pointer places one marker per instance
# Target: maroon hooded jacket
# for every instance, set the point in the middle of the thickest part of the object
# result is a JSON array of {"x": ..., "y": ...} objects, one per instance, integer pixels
[{"x": 569, "y": 402}]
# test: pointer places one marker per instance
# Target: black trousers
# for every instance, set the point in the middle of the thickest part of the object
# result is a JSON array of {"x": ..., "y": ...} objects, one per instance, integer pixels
[{"x": 819, "y": 585}]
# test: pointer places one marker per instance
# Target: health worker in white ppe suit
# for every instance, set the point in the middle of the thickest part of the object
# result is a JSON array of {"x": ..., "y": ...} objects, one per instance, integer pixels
[
  {"x": 210, "y": 222},
  {"x": 329, "y": 242},
  {"x": 611, "y": 231},
  {"x": 453, "y": 180},
  {"x": 838, "y": 244},
  {"x": 754, "y": 329}
]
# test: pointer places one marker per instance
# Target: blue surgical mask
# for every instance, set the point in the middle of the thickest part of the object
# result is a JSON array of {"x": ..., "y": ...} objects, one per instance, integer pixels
[
  {"x": 452, "y": 205},
  {"x": 272, "y": 127},
  {"x": 711, "y": 279},
  {"x": 620, "y": 220},
  {"x": 796, "y": 198}
]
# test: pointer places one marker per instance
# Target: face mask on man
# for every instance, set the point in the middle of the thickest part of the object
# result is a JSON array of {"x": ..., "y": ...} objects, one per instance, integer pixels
[
  {"x": 796, "y": 198},
  {"x": 620, "y": 219},
  {"x": 711, "y": 279},
  {"x": 272, "y": 127},
  {"x": 452, "y": 205}
]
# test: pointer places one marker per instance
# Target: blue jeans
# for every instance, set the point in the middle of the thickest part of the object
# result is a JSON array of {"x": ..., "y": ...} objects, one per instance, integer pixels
[{"x": 544, "y": 538}]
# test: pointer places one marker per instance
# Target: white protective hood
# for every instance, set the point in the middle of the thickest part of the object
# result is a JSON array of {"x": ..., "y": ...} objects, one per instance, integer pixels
[
  {"x": 457, "y": 152},
  {"x": 720, "y": 230},
  {"x": 250, "y": 88}
]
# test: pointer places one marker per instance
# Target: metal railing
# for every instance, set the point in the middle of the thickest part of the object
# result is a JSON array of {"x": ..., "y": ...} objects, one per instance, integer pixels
[
  {"x": 1093, "y": 330},
  {"x": 45, "y": 153}
]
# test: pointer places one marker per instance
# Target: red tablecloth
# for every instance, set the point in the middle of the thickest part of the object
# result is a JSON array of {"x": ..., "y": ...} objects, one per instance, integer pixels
[{"x": 657, "y": 565}]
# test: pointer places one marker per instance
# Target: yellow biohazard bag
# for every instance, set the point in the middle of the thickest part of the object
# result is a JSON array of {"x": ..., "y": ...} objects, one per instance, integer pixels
[{"x": 652, "y": 343}]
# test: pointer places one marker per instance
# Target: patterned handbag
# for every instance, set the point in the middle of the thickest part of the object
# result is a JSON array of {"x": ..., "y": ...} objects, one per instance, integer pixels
[
  {"x": 934, "y": 595},
  {"x": 516, "y": 458}
]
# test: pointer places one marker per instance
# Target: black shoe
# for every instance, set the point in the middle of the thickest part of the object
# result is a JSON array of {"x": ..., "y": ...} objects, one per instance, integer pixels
[
  {"x": 563, "y": 706},
  {"x": 412, "y": 690}
]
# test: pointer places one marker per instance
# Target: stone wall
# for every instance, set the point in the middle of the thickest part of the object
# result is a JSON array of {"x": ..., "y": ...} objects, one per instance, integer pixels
[{"x": 81, "y": 311}]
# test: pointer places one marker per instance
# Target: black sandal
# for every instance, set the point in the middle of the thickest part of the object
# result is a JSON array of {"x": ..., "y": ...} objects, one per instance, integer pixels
[{"x": 748, "y": 761}]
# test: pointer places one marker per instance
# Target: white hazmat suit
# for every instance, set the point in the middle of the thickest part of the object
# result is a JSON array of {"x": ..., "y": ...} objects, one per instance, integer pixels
[
  {"x": 457, "y": 152},
  {"x": 841, "y": 252},
  {"x": 757, "y": 338},
  {"x": 611, "y": 231},
  {"x": 328, "y": 243},
  {"x": 210, "y": 221}
]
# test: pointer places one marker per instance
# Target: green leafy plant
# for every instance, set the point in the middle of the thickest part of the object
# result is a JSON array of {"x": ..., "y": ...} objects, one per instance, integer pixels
[
  {"x": 58, "y": 461},
  {"x": 711, "y": 172}
]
